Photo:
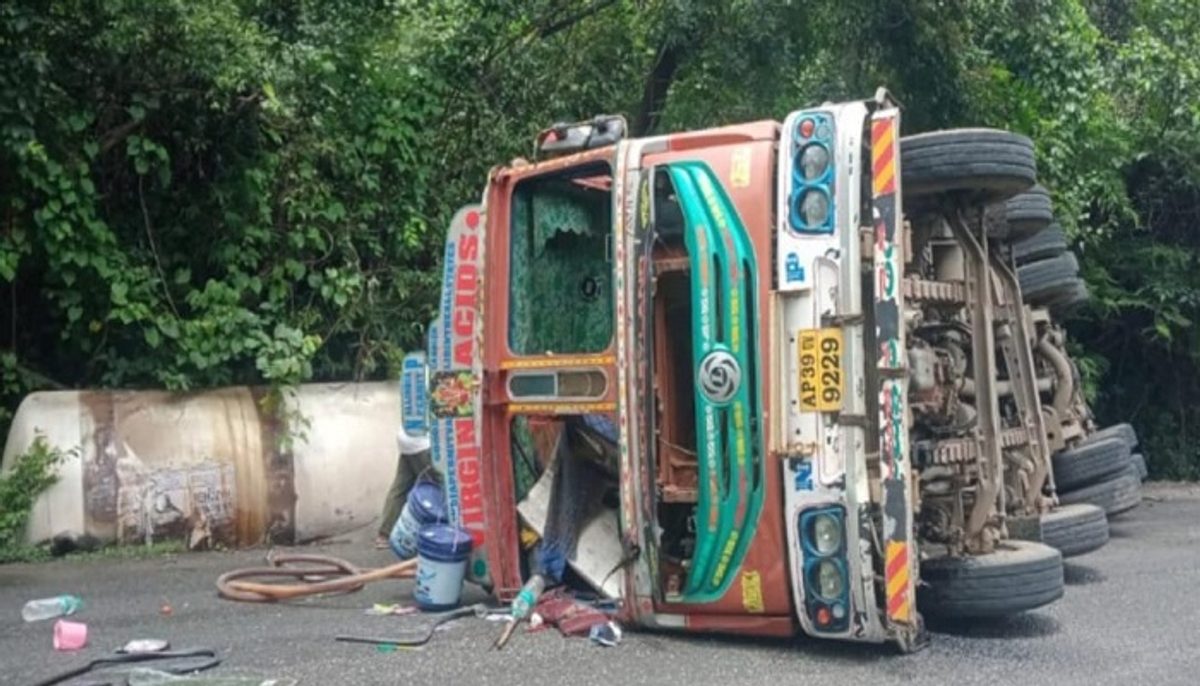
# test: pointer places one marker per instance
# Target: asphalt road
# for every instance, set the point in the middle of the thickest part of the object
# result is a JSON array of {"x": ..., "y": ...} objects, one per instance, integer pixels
[{"x": 1131, "y": 615}]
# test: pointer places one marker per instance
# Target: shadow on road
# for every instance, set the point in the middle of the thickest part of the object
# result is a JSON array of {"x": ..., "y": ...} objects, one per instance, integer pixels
[
  {"x": 1075, "y": 574},
  {"x": 1028, "y": 625},
  {"x": 1119, "y": 529},
  {"x": 846, "y": 652}
]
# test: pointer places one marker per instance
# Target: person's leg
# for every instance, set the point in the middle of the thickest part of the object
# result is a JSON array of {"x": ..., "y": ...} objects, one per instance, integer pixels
[
  {"x": 393, "y": 501},
  {"x": 414, "y": 466},
  {"x": 410, "y": 468},
  {"x": 423, "y": 466}
]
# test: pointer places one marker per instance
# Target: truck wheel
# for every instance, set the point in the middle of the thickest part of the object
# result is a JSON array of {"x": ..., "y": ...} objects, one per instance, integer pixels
[
  {"x": 1047, "y": 280},
  {"x": 1124, "y": 431},
  {"x": 1050, "y": 242},
  {"x": 1089, "y": 462},
  {"x": 1020, "y": 217},
  {"x": 1075, "y": 529},
  {"x": 1028, "y": 213},
  {"x": 1073, "y": 298},
  {"x": 1115, "y": 496},
  {"x": 1017, "y": 577},
  {"x": 987, "y": 165},
  {"x": 1139, "y": 463}
]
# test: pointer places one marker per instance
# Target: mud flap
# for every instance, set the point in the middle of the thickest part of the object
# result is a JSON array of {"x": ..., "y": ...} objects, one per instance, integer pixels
[{"x": 724, "y": 335}]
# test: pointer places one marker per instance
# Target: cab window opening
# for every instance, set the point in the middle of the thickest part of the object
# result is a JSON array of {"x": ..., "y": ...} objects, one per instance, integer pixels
[{"x": 560, "y": 290}]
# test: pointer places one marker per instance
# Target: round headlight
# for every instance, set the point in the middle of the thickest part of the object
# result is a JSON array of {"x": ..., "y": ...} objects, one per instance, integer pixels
[
  {"x": 830, "y": 583},
  {"x": 827, "y": 535},
  {"x": 814, "y": 160},
  {"x": 814, "y": 208}
]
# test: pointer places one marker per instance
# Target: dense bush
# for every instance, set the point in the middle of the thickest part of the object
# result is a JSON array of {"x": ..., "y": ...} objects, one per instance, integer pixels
[{"x": 234, "y": 191}]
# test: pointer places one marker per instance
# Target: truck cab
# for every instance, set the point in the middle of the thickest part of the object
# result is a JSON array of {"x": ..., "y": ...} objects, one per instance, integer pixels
[{"x": 761, "y": 378}]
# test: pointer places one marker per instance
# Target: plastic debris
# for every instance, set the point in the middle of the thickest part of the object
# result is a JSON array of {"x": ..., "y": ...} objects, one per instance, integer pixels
[
  {"x": 522, "y": 607},
  {"x": 141, "y": 676},
  {"x": 201, "y": 659},
  {"x": 523, "y": 604},
  {"x": 423, "y": 635},
  {"x": 144, "y": 645},
  {"x": 607, "y": 634},
  {"x": 70, "y": 636},
  {"x": 393, "y": 647},
  {"x": 49, "y": 608},
  {"x": 381, "y": 609},
  {"x": 493, "y": 614}
]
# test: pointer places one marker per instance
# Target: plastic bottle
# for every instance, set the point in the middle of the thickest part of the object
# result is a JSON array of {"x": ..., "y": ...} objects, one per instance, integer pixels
[
  {"x": 523, "y": 604},
  {"x": 49, "y": 608}
]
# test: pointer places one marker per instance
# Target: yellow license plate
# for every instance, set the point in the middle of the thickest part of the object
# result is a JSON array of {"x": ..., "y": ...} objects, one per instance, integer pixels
[{"x": 822, "y": 381}]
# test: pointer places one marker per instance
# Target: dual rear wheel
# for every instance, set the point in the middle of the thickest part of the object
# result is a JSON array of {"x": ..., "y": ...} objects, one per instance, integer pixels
[{"x": 997, "y": 170}]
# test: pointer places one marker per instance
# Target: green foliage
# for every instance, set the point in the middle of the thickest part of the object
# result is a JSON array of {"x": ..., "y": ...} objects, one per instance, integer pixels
[
  {"x": 127, "y": 552},
  {"x": 31, "y": 475},
  {"x": 248, "y": 191},
  {"x": 193, "y": 200}
]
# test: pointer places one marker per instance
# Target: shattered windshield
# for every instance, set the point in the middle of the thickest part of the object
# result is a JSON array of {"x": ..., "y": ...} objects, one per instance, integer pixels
[{"x": 560, "y": 295}]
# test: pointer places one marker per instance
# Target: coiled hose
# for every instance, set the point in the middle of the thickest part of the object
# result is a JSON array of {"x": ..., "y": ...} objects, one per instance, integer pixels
[{"x": 349, "y": 578}]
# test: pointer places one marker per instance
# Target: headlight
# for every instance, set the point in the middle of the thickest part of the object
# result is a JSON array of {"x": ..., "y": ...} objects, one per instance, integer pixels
[
  {"x": 829, "y": 579},
  {"x": 814, "y": 161},
  {"x": 827, "y": 535},
  {"x": 814, "y": 207}
]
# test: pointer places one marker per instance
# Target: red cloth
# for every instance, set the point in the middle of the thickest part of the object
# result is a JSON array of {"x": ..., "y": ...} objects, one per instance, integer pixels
[{"x": 571, "y": 617}]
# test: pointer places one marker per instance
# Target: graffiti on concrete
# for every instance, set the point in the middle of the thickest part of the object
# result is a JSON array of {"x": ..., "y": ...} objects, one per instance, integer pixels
[{"x": 160, "y": 503}]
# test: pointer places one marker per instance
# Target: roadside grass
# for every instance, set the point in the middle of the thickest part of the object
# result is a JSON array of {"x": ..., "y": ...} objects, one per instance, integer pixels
[{"x": 31, "y": 554}]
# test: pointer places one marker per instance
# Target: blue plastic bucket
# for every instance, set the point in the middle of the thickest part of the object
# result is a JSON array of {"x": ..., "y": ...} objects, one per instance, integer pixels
[
  {"x": 442, "y": 553},
  {"x": 424, "y": 506}
]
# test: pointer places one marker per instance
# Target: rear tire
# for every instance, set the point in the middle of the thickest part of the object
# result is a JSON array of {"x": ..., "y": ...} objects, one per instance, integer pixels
[
  {"x": 1028, "y": 214},
  {"x": 1051, "y": 242},
  {"x": 1139, "y": 463},
  {"x": 1019, "y": 576},
  {"x": 1045, "y": 281},
  {"x": 1075, "y": 529},
  {"x": 1124, "y": 431},
  {"x": 985, "y": 166},
  {"x": 1073, "y": 298},
  {"x": 1088, "y": 463},
  {"x": 1115, "y": 496}
]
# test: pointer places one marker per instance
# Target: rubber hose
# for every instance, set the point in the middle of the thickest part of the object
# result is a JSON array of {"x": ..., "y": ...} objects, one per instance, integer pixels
[{"x": 350, "y": 578}]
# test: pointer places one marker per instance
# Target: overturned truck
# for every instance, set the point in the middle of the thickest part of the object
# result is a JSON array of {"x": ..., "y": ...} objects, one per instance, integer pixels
[{"x": 766, "y": 378}]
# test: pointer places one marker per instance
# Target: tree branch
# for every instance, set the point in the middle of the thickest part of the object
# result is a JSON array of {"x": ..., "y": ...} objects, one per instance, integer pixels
[
  {"x": 567, "y": 22},
  {"x": 544, "y": 29},
  {"x": 114, "y": 137},
  {"x": 655, "y": 90},
  {"x": 38, "y": 380},
  {"x": 162, "y": 275}
]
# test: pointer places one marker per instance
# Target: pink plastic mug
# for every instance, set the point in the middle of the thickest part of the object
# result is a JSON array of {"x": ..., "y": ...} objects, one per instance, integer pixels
[{"x": 70, "y": 635}]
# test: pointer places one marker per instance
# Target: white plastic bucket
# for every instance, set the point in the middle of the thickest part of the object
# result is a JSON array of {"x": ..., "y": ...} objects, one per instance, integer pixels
[{"x": 442, "y": 554}]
